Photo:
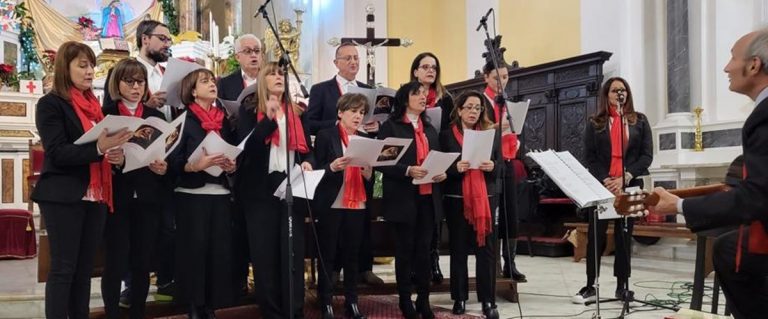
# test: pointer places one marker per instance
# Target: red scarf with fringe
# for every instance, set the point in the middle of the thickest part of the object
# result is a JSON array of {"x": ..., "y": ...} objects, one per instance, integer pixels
[
  {"x": 354, "y": 189},
  {"x": 477, "y": 209},
  {"x": 88, "y": 110},
  {"x": 422, "y": 149},
  {"x": 296, "y": 140}
]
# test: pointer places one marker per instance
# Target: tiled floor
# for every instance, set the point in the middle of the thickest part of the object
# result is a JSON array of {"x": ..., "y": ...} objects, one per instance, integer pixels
[{"x": 659, "y": 272}]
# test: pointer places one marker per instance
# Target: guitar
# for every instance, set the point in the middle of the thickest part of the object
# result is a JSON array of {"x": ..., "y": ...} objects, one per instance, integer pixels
[{"x": 634, "y": 204}]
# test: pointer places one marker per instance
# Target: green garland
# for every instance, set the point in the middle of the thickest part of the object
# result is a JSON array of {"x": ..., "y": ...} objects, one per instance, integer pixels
[
  {"x": 171, "y": 18},
  {"x": 26, "y": 36}
]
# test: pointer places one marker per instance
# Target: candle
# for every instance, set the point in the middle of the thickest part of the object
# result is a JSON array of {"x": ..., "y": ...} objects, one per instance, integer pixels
[{"x": 229, "y": 30}]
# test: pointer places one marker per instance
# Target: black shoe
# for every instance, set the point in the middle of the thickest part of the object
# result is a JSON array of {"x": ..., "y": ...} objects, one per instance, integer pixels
[
  {"x": 437, "y": 274},
  {"x": 584, "y": 295},
  {"x": 194, "y": 313},
  {"x": 489, "y": 311},
  {"x": 352, "y": 311},
  {"x": 125, "y": 298},
  {"x": 516, "y": 275},
  {"x": 408, "y": 310},
  {"x": 459, "y": 307},
  {"x": 210, "y": 313},
  {"x": 165, "y": 292},
  {"x": 622, "y": 293},
  {"x": 327, "y": 312},
  {"x": 423, "y": 307}
]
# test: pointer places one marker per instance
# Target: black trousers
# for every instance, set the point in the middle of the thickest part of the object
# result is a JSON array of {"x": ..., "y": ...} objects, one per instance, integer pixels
[
  {"x": 365, "y": 253},
  {"x": 623, "y": 242},
  {"x": 412, "y": 244},
  {"x": 341, "y": 228},
  {"x": 75, "y": 231},
  {"x": 204, "y": 250},
  {"x": 240, "y": 252},
  {"x": 463, "y": 238},
  {"x": 746, "y": 291},
  {"x": 129, "y": 237},
  {"x": 165, "y": 252},
  {"x": 267, "y": 238},
  {"x": 509, "y": 204}
]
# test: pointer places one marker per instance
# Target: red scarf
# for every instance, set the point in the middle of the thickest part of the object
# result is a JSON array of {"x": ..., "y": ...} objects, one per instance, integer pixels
[
  {"x": 88, "y": 110},
  {"x": 211, "y": 120},
  {"x": 354, "y": 190},
  {"x": 296, "y": 140},
  {"x": 422, "y": 149},
  {"x": 508, "y": 141},
  {"x": 758, "y": 239},
  {"x": 431, "y": 98},
  {"x": 616, "y": 169},
  {"x": 477, "y": 210},
  {"x": 124, "y": 111}
]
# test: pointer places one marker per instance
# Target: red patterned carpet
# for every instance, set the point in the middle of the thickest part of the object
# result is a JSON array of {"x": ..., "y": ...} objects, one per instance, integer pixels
[{"x": 374, "y": 307}]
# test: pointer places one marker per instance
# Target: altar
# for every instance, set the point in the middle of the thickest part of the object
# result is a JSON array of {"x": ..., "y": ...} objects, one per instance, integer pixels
[{"x": 17, "y": 129}]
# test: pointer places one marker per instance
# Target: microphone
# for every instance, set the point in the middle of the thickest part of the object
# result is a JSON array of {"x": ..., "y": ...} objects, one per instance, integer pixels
[
  {"x": 484, "y": 19},
  {"x": 622, "y": 98}
]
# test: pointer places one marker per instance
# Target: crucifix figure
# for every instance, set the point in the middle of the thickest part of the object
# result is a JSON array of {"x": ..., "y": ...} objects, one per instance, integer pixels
[{"x": 371, "y": 42}]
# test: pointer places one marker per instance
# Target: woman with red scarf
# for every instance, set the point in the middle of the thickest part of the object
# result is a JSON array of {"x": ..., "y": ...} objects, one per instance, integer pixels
[
  {"x": 203, "y": 202},
  {"x": 272, "y": 129},
  {"x": 412, "y": 210},
  {"x": 603, "y": 156},
  {"x": 341, "y": 201},
  {"x": 74, "y": 192},
  {"x": 131, "y": 231},
  {"x": 425, "y": 69},
  {"x": 470, "y": 207},
  {"x": 515, "y": 201}
]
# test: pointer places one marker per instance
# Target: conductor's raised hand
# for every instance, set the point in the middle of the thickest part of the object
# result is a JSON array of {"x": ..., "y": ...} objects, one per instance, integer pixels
[
  {"x": 108, "y": 141},
  {"x": 462, "y": 166},
  {"x": 417, "y": 172},
  {"x": 273, "y": 107}
]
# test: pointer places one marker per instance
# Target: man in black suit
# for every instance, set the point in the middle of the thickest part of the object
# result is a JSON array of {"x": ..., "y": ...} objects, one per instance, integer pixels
[
  {"x": 740, "y": 256},
  {"x": 323, "y": 96},
  {"x": 249, "y": 54},
  {"x": 322, "y": 113}
]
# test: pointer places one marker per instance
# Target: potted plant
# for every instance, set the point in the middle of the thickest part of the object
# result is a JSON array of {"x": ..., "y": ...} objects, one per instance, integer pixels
[{"x": 8, "y": 78}]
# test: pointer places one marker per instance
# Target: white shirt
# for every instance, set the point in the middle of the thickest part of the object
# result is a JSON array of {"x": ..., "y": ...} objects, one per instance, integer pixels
[
  {"x": 277, "y": 162},
  {"x": 247, "y": 80},
  {"x": 344, "y": 84},
  {"x": 154, "y": 79}
]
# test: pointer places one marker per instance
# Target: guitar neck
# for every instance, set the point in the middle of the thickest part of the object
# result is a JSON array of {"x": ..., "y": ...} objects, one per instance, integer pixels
[{"x": 699, "y": 190}]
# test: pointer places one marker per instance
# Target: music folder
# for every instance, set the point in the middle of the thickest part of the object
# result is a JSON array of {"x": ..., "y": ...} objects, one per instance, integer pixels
[{"x": 573, "y": 178}]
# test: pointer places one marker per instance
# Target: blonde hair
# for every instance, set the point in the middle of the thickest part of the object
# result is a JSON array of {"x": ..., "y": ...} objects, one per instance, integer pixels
[{"x": 262, "y": 92}]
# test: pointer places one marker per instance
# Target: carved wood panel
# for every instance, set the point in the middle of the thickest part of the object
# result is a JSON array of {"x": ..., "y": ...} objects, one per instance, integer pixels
[
  {"x": 572, "y": 121},
  {"x": 7, "y": 180}
]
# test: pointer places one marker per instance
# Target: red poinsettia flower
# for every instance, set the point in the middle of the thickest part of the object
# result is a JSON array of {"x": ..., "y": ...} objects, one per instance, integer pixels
[{"x": 6, "y": 68}]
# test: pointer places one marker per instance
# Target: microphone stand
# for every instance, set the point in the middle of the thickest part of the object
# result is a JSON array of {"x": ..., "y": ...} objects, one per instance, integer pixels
[
  {"x": 501, "y": 98},
  {"x": 285, "y": 63}
]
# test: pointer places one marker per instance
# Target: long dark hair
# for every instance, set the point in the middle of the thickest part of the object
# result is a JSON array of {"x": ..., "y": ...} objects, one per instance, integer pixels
[
  {"x": 600, "y": 119},
  {"x": 401, "y": 101},
  {"x": 437, "y": 85}
]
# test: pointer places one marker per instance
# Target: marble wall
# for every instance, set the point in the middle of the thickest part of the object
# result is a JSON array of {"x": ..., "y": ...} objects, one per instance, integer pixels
[{"x": 678, "y": 61}]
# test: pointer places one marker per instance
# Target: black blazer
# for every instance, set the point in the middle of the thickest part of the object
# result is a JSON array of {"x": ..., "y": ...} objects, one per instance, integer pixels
[
  {"x": 637, "y": 158},
  {"x": 66, "y": 173},
  {"x": 399, "y": 191},
  {"x": 147, "y": 185},
  {"x": 327, "y": 149},
  {"x": 321, "y": 112},
  {"x": 747, "y": 201},
  {"x": 192, "y": 135},
  {"x": 453, "y": 184},
  {"x": 252, "y": 182},
  {"x": 230, "y": 86}
]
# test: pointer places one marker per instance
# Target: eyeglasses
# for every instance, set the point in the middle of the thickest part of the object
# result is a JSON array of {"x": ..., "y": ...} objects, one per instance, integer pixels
[
  {"x": 348, "y": 58},
  {"x": 619, "y": 91},
  {"x": 427, "y": 67},
  {"x": 132, "y": 82},
  {"x": 476, "y": 108},
  {"x": 162, "y": 37},
  {"x": 249, "y": 51}
]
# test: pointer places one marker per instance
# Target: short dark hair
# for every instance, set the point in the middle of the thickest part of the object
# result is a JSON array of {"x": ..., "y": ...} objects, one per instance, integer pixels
[
  {"x": 126, "y": 68},
  {"x": 343, "y": 44},
  {"x": 66, "y": 53},
  {"x": 352, "y": 101},
  {"x": 189, "y": 82},
  {"x": 488, "y": 67},
  {"x": 146, "y": 27},
  {"x": 401, "y": 101}
]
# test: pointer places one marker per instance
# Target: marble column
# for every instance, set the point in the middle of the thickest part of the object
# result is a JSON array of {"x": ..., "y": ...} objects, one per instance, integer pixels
[
  {"x": 187, "y": 15},
  {"x": 678, "y": 60}
]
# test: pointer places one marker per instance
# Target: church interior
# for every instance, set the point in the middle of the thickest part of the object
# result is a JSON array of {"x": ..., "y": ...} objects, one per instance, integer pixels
[{"x": 558, "y": 55}]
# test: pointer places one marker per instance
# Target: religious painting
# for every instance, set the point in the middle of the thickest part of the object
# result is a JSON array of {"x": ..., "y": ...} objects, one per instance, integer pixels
[
  {"x": 170, "y": 141},
  {"x": 10, "y": 53},
  {"x": 107, "y": 15},
  {"x": 144, "y": 136},
  {"x": 389, "y": 152}
]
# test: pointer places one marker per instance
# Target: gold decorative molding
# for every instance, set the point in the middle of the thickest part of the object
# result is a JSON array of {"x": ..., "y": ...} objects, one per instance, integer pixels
[
  {"x": 7, "y": 180},
  {"x": 24, "y": 181},
  {"x": 16, "y": 133},
  {"x": 13, "y": 109}
]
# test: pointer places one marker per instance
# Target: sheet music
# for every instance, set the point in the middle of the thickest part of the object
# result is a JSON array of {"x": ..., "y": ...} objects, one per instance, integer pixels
[
  {"x": 477, "y": 147},
  {"x": 370, "y": 95},
  {"x": 575, "y": 185},
  {"x": 301, "y": 187},
  {"x": 436, "y": 163},
  {"x": 233, "y": 107},
  {"x": 214, "y": 144},
  {"x": 518, "y": 110},
  {"x": 175, "y": 71}
]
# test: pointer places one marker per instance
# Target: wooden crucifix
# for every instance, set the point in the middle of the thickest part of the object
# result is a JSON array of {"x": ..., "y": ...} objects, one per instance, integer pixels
[{"x": 371, "y": 42}]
